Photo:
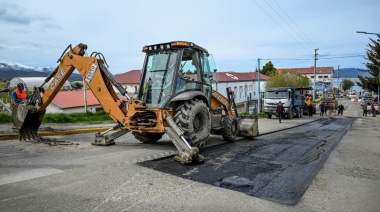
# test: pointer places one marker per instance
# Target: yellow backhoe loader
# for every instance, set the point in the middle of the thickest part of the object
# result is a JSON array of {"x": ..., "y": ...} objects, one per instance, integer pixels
[{"x": 175, "y": 97}]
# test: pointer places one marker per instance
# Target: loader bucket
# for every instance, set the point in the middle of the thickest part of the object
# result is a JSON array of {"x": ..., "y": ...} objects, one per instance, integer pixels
[
  {"x": 248, "y": 126},
  {"x": 27, "y": 120}
]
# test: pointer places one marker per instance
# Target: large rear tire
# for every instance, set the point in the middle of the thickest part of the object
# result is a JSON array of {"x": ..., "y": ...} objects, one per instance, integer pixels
[
  {"x": 269, "y": 116},
  {"x": 193, "y": 117},
  {"x": 147, "y": 138},
  {"x": 230, "y": 128}
]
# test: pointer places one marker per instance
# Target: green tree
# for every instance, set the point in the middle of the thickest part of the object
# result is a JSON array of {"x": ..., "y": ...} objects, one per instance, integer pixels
[
  {"x": 347, "y": 84},
  {"x": 286, "y": 79},
  {"x": 373, "y": 64},
  {"x": 269, "y": 69},
  {"x": 76, "y": 85}
]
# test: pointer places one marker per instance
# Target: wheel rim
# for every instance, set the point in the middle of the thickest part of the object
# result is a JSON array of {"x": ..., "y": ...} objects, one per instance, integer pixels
[{"x": 197, "y": 123}]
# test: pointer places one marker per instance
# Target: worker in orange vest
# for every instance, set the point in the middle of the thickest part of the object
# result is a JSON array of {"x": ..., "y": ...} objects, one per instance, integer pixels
[{"x": 19, "y": 94}]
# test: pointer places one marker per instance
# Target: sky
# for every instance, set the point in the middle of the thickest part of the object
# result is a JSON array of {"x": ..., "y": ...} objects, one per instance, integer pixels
[{"x": 237, "y": 33}]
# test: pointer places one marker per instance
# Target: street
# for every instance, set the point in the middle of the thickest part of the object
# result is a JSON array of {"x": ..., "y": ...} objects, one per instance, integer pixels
[{"x": 76, "y": 176}]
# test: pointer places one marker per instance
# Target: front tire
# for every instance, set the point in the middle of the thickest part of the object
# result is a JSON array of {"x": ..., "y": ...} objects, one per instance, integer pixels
[
  {"x": 230, "y": 128},
  {"x": 194, "y": 118}
]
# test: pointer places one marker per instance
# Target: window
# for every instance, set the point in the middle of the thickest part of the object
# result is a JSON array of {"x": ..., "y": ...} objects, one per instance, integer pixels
[
  {"x": 235, "y": 91},
  {"x": 325, "y": 76},
  {"x": 240, "y": 91},
  {"x": 311, "y": 76},
  {"x": 250, "y": 88}
]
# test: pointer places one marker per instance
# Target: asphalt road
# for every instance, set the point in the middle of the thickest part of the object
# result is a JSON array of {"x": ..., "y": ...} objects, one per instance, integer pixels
[{"x": 82, "y": 177}]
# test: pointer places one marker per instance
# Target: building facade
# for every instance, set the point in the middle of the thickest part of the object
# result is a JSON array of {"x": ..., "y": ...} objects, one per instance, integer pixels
[{"x": 245, "y": 85}]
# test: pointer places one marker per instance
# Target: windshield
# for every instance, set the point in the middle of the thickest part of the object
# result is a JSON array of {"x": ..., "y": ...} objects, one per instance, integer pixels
[
  {"x": 158, "y": 78},
  {"x": 276, "y": 94}
]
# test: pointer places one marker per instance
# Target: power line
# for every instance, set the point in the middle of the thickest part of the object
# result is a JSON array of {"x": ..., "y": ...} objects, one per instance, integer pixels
[
  {"x": 320, "y": 57},
  {"x": 280, "y": 25},
  {"x": 288, "y": 24},
  {"x": 294, "y": 23}
]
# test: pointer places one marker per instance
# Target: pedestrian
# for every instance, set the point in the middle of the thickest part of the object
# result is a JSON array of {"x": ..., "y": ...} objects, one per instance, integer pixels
[
  {"x": 373, "y": 110},
  {"x": 19, "y": 94},
  {"x": 309, "y": 105},
  {"x": 340, "y": 109},
  {"x": 364, "y": 107},
  {"x": 322, "y": 108},
  {"x": 279, "y": 111}
]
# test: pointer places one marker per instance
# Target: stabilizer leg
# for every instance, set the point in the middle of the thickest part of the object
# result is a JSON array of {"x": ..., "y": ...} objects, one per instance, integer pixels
[
  {"x": 186, "y": 153},
  {"x": 101, "y": 139}
]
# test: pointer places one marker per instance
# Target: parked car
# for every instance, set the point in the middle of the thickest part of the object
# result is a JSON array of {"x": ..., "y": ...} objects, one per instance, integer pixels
[
  {"x": 352, "y": 95},
  {"x": 377, "y": 107},
  {"x": 367, "y": 99},
  {"x": 365, "y": 103}
]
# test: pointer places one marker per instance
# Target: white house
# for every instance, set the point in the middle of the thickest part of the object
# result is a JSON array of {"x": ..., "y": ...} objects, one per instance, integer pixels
[{"x": 244, "y": 84}]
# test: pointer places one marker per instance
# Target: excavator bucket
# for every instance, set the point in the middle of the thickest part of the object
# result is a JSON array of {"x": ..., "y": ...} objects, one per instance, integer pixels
[
  {"x": 27, "y": 120},
  {"x": 248, "y": 126}
]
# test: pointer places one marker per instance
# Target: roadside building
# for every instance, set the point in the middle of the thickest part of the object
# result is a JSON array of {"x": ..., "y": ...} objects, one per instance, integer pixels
[
  {"x": 244, "y": 84},
  {"x": 130, "y": 80},
  {"x": 74, "y": 102},
  {"x": 323, "y": 76}
]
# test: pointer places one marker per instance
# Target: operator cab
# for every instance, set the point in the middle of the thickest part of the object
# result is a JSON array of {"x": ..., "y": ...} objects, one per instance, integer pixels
[{"x": 175, "y": 71}]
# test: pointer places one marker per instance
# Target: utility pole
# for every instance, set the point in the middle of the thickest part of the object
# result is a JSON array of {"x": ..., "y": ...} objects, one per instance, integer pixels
[
  {"x": 85, "y": 96},
  {"x": 338, "y": 79},
  {"x": 258, "y": 81},
  {"x": 315, "y": 68}
]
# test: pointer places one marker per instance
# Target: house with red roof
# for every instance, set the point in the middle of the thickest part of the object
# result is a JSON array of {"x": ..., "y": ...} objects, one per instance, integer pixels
[
  {"x": 322, "y": 74},
  {"x": 74, "y": 102},
  {"x": 130, "y": 80},
  {"x": 244, "y": 84}
]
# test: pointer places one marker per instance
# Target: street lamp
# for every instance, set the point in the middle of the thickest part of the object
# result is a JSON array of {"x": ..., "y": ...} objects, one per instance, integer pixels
[
  {"x": 378, "y": 84},
  {"x": 370, "y": 33}
]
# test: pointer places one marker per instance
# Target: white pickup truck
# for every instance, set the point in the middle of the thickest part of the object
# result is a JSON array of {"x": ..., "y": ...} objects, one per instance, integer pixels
[{"x": 352, "y": 94}]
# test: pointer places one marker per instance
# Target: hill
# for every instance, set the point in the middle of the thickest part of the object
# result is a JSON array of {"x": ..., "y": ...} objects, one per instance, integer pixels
[
  {"x": 350, "y": 73},
  {"x": 9, "y": 70}
]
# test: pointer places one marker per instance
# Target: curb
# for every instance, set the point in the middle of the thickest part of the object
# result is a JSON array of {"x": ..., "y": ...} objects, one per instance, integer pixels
[{"x": 65, "y": 132}]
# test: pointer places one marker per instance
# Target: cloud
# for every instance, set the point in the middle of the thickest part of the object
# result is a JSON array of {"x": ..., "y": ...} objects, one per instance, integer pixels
[
  {"x": 13, "y": 14},
  {"x": 16, "y": 15}
]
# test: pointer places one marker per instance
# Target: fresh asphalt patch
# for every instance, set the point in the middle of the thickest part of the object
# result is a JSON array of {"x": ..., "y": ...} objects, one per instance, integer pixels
[{"x": 277, "y": 167}]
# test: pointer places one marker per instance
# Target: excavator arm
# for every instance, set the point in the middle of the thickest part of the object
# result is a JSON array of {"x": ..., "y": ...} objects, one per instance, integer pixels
[{"x": 96, "y": 75}]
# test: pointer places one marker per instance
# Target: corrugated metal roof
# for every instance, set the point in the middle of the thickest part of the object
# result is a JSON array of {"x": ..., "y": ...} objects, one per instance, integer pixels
[{"x": 239, "y": 76}]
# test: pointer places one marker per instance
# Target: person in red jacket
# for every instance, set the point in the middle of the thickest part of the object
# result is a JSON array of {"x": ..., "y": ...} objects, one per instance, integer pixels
[
  {"x": 19, "y": 94},
  {"x": 279, "y": 111},
  {"x": 373, "y": 110}
]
